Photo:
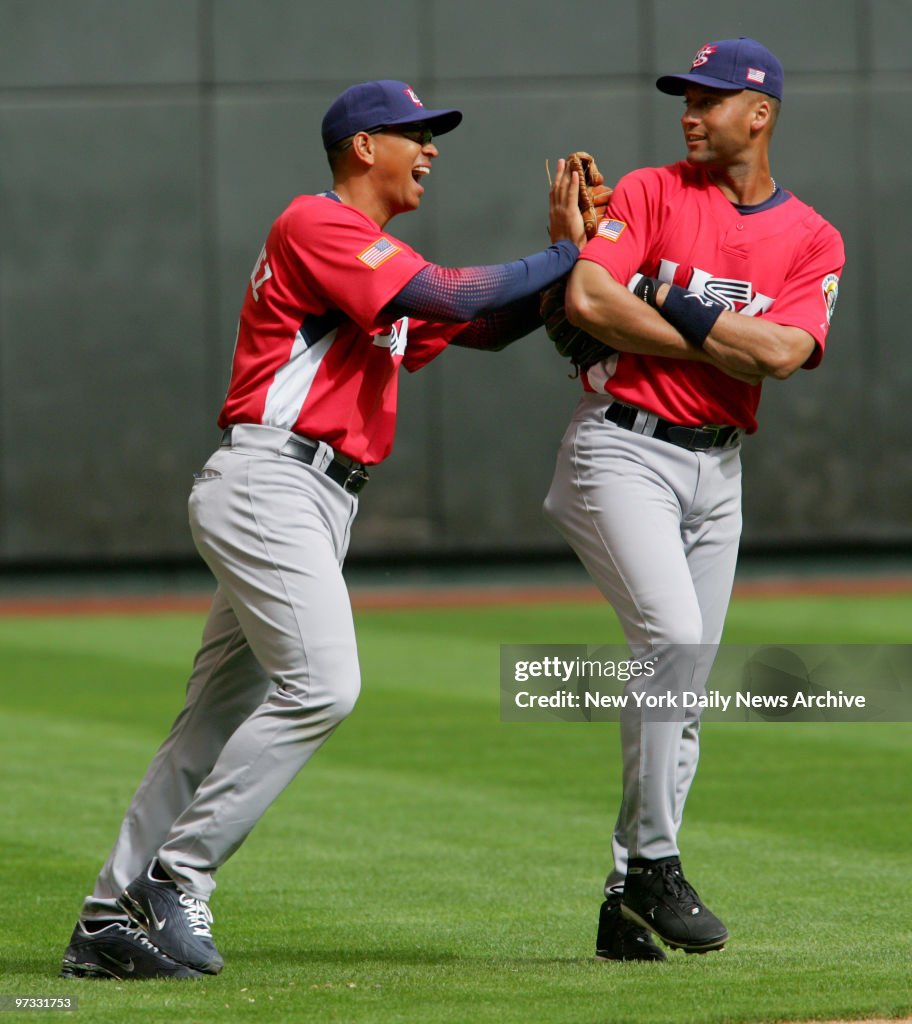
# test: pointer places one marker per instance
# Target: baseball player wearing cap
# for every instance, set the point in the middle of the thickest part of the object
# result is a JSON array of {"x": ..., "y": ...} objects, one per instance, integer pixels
[
  {"x": 334, "y": 306},
  {"x": 739, "y": 279}
]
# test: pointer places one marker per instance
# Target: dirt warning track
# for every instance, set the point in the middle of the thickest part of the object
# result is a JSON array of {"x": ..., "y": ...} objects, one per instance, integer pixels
[{"x": 449, "y": 596}]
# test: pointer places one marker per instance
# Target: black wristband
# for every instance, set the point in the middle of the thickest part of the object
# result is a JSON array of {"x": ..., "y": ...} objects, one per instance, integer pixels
[
  {"x": 646, "y": 289},
  {"x": 691, "y": 314}
]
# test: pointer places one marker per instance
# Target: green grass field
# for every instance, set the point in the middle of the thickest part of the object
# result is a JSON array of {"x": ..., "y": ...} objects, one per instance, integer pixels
[{"x": 435, "y": 865}]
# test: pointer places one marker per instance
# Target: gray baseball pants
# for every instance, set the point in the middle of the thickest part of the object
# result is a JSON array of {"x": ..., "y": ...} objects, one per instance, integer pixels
[
  {"x": 276, "y": 673},
  {"x": 657, "y": 528}
]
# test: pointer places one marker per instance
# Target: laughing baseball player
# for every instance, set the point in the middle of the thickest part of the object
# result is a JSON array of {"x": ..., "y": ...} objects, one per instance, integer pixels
[
  {"x": 335, "y": 305},
  {"x": 705, "y": 278}
]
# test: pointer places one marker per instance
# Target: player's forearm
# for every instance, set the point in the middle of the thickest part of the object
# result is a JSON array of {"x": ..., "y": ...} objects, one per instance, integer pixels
[
  {"x": 605, "y": 309},
  {"x": 757, "y": 348},
  {"x": 495, "y": 331},
  {"x": 461, "y": 294},
  {"x": 747, "y": 348}
]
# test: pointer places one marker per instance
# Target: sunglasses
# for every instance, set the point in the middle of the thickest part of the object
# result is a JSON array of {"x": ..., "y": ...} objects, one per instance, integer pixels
[{"x": 419, "y": 134}]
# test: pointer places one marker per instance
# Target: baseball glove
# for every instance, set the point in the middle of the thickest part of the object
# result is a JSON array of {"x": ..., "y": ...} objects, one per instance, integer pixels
[
  {"x": 593, "y": 194},
  {"x": 572, "y": 342}
]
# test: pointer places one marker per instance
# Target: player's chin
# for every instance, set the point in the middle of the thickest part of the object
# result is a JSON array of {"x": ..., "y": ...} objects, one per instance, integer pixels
[
  {"x": 702, "y": 159},
  {"x": 412, "y": 199},
  {"x": 698, "y": 151}
]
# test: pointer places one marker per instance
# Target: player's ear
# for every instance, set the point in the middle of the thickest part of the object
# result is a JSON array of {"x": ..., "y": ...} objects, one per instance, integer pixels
[
  {"x": 762, "y": 113},
  {"x": 364, "y": 147}
]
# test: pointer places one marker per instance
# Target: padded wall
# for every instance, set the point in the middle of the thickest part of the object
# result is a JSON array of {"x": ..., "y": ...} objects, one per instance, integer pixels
[{"x": 145, "y": 148}]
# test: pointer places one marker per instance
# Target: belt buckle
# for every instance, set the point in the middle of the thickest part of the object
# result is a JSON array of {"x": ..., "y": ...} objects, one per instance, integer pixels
[
  {"x": 356, "y": 480},
  {"x": 714, "y": 431}
]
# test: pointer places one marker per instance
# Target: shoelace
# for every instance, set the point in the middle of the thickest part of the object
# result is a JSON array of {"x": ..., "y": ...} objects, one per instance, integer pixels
[
  {"x": 141, "y": 937},
  {"x": 683, "y": 891},
  {"x": 198, "y": 915}
]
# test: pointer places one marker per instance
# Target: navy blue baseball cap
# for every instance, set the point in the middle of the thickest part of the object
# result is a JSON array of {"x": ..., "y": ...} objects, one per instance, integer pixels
[
  {"x": 381, "y": 104},
  {"x": 729, "y": 64}
]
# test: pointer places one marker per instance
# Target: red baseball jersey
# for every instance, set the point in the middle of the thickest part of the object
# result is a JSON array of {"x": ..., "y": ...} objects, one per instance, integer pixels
[
  {"x": 780, "y": 261},
  {"x": 314, "y": 355}
]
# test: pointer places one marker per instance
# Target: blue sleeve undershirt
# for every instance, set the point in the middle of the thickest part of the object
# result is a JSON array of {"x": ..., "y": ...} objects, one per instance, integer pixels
[{"x": 462, "y": 294}]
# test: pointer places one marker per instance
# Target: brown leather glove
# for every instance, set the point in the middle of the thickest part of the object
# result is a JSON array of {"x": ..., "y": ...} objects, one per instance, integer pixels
[
  {"x": 573, "y": 342},
  {"x": 593, "y": 192}
]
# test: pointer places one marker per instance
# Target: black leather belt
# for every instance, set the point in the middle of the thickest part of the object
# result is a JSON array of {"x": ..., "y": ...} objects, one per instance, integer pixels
[
  {"x": 348, "y": 474},
  {"x": 694, "y": 439}
]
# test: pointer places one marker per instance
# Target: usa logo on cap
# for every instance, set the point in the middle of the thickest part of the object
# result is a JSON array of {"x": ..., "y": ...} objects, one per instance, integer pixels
[{"x": 703, "y": 55}]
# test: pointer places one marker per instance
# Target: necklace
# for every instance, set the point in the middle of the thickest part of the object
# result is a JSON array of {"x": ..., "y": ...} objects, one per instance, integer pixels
[{"x": 773, "y": 184}]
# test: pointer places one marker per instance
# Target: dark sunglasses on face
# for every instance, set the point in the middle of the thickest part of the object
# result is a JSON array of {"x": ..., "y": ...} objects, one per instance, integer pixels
[{"x": 419, "y": 134}]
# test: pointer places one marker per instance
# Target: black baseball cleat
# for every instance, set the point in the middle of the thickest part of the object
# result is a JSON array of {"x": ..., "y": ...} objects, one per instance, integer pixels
[
  {"x": 620, "y": 939},
  {"x": 179, "y": 924},
  {"x": 658, "y": 897},
  {"x": 112, "y": 949}
]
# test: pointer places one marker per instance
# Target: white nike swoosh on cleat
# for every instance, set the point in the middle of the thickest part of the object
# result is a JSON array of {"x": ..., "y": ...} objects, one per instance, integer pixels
[{"x": 155, "y": 921}]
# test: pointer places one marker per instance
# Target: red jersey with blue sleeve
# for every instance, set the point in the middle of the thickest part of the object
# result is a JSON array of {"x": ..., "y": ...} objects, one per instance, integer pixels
[
  {"x": 315, "y": 354},
  {"x": 779, "y": 260}
]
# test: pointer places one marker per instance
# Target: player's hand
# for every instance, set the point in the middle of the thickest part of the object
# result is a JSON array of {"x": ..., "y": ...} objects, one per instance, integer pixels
[{"x": 565, "y": 222}]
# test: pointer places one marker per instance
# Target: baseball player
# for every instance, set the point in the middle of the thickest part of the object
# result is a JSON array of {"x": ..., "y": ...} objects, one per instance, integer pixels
[
  {"x": 705, "y": 278},
  {"x": 334, "y": 306}
]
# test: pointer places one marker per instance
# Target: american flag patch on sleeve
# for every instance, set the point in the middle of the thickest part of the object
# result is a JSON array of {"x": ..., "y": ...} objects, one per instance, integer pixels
[
  {"x": 377, "y": 254},
  {"x": 611, "y": 229}
]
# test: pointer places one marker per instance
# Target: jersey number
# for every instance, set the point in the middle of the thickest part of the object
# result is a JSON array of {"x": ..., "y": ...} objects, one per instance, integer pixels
[
  {"x": 397, "y": 339},
  {"x": 261, "y": 274}
]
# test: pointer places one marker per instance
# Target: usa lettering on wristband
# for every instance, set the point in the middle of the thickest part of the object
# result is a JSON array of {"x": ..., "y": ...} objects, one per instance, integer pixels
[{"x": 692, "y": 315}]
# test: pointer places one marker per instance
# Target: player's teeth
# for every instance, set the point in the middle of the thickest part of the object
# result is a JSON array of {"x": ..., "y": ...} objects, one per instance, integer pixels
[{"x": 422, "y": 170}]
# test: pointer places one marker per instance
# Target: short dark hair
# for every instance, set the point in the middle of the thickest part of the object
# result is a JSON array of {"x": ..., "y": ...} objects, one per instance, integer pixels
[{"x": 335, "y": 152}]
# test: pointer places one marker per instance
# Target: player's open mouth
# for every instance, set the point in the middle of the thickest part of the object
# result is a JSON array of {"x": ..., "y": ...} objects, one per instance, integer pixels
[{"x": 419, "y": 172}]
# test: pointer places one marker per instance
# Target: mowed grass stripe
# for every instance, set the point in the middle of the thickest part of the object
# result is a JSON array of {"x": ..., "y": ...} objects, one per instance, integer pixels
[{"x": 435, "y": 864}]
